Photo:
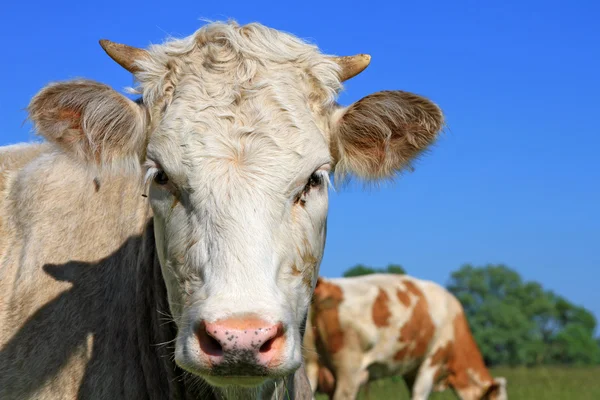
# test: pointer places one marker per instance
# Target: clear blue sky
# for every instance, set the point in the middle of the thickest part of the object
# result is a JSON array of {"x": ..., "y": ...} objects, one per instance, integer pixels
[{"x": 515, "y": 180}]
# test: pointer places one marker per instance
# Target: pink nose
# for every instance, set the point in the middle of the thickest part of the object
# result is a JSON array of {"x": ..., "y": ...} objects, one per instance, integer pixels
[{"x": 248, "y": 340}]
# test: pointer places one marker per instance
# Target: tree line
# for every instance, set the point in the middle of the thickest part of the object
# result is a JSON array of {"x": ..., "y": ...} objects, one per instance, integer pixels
[{"x": 517, "y": 322}]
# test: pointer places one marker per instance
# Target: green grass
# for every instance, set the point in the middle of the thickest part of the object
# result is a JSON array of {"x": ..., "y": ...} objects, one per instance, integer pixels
[{"x": 544, "y": 383}]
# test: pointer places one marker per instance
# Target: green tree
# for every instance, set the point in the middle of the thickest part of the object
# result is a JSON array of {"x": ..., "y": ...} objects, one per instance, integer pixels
[
  {"x": 499, "y": 324},
  {"x": 395, "y": 269},
  {"x": 575, "y": 345},
  {"x": 519, "y": 323},
  {"x": 360, "y": 269}
]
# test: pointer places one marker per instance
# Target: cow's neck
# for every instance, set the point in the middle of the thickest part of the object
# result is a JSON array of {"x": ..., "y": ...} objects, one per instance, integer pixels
[{"x": 155, "y": 329}]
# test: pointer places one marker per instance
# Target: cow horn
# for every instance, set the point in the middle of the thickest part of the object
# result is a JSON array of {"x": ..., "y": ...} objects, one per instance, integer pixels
[
  {"x": 124, "y": 55},
  {"x": 352, "y": 65}
]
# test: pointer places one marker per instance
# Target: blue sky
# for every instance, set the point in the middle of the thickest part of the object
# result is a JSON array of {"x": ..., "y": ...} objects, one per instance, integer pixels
[{"x": 515, "y": 180}]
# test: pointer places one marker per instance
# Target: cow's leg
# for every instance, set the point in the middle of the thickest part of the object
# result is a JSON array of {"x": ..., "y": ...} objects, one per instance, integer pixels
[
  {"x": 326, "y": 381},
  {"x": 349, "y": 381},
  {"x": 409, "y": 379},
  {"x": 423, "y": 383},
  {"x": 349, "y": 372},
  {"x": 312, "y": 371}
]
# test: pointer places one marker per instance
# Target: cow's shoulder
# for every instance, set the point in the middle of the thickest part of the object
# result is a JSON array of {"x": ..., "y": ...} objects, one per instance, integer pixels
[
  {"x": 16, "y": 155},
  {"x": 69, "y": 252},
  {"x": 12, "y": 159},
  {"x": 368, "y": 304}
]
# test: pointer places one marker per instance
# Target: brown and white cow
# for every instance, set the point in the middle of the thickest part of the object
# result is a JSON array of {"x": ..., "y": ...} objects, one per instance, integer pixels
[
  {"x": 373, "y": 326},
  {"x": 169, "y": 247}
]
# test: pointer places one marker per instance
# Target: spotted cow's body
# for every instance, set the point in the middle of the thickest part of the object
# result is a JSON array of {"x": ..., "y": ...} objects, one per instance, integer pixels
[{"x": 380, "y": 325}]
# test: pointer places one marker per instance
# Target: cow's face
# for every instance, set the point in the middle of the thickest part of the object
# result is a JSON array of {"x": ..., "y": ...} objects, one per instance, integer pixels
[{"x": 237, "y": 134}]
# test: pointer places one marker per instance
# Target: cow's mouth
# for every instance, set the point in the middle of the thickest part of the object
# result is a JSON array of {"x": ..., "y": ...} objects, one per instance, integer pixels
[{"x": 243, "y": 381}]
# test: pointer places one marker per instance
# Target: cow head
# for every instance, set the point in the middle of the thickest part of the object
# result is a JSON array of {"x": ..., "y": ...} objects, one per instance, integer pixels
[{"x": 236, "y": 135}]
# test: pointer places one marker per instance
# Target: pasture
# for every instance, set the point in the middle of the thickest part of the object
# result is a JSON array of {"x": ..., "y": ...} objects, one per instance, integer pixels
[{"x": 542, "y": 383}]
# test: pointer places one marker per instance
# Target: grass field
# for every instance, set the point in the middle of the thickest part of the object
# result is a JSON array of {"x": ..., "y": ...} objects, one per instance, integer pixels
[{"x": 550, "y": 383}]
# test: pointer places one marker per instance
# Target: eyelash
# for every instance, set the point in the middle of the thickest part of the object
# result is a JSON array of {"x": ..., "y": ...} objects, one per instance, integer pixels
[
  {"x": 156, "y": 175},
  {"x": 151, "y": 171}
]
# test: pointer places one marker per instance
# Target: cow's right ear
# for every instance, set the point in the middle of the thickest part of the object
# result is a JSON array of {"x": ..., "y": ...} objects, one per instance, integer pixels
[{"x": 90, "y": 121}]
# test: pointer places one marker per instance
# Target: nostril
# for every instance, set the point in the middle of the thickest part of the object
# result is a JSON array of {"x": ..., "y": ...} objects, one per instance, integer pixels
[
  {"x": 273, "y": 343},
  {"x": 266, "y": 347},
  {"x": 208, "y": 343}
]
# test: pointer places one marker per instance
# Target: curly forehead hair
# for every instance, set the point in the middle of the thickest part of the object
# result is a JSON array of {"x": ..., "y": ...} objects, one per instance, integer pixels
[{"x": 248, "y": 55}]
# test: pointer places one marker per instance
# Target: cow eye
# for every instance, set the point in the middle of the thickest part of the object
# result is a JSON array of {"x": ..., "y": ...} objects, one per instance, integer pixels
[
  {"x": 161, "y": 178},
  {"x": 314, "y": 181}
]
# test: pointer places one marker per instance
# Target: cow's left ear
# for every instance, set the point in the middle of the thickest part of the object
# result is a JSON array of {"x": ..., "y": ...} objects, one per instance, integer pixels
[
  {"x": 90, "y": 121},
  {"x": 380, "y": 134}
]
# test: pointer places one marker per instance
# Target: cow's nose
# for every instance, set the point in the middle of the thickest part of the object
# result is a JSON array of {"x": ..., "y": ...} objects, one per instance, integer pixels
[{"x": 250, "y": 341}]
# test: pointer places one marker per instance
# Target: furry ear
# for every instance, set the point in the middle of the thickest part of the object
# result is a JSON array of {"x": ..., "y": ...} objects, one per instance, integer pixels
[
  {"x": 492, "y": 392},
  {"x": 89, "y": 120},
  {"x": 380, "y": 134},
  {"x": 497, "y": 390}
]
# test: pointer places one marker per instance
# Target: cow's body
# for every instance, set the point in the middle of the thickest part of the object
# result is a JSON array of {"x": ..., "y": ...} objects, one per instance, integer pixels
[
  {"x": 184, "y": 231},
  {"x": 83, "y": 307},
  {"x": 380, "y": 325}
]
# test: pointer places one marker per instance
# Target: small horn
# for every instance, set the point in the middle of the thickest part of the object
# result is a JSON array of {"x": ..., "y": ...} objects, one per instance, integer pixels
[
  {"x": 124, "y": 55},
  {"x": 352, "y": 65}
]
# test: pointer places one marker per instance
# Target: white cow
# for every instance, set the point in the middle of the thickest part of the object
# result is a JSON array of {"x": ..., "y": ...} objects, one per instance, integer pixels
[{"x": 169, "y": 247}]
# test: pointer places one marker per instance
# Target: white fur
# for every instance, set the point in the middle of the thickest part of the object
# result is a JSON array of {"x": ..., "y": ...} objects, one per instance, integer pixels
[{"x": 233, "y": 130}]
